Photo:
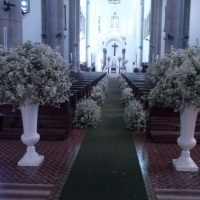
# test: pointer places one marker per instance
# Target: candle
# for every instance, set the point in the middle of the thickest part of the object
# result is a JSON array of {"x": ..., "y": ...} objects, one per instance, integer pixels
[
  {"x": 5, "y": 38},
  {"x": 71, "y": 57}
]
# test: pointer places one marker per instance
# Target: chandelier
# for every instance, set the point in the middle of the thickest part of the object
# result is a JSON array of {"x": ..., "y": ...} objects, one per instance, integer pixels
[{"x": 114, "y": 1}]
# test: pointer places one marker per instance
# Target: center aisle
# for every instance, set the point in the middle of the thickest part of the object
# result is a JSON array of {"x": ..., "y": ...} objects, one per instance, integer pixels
[{"x": 106, "y": 166}]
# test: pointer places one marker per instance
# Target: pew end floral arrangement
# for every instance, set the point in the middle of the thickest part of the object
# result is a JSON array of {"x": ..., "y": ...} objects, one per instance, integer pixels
[
  {"x": 126, "y": 95},
  {"x": 88, "y": 110},
  {"x": 98, "y": 94},
  {"x": 134, "y": 116},
  {"x": 87, "y": 113}
]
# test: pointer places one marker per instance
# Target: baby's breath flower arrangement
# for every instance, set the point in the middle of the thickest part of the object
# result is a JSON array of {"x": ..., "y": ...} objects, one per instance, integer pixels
[
  {"x": 98, "y": 94},
  {"x": 104, "y": 84},
  {"x": 134, "y": 116},
  {"x": 179, "y": 85},
  {"x": 33, "y": 74},
  {"x": 123, "y": 85},
  {"x": 126, "y": 95},
  {"x": 87, "y": 113}
]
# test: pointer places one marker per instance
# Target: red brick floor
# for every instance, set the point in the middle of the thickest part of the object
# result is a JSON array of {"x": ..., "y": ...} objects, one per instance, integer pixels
[
  {"x": 162, "y": 181},
  {"x": 156, "y": 163},
  {"x": 36, "y": 183}
]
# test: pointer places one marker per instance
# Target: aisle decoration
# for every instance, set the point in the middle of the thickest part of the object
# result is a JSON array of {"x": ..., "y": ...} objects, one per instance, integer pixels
[
  {"x": 88, "y": 110},
  {"x": 87, "y": 113},
  {"x": 134, "y": 116},
  {"x": 177, "y": 84},
  {"x": 104, "y": 84},
  {"x": 98, "y": 94},
  {"x": 126, "y": 95},
  {"x": 33, "y": 75}
]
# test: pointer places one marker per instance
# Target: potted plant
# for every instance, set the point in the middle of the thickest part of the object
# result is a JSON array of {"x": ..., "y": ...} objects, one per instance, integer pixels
[
  {"x": 33, "y": 75},
  {"x": 176, "y": 84}
]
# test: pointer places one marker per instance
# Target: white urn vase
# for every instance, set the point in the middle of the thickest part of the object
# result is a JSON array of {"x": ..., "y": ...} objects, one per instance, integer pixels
[
  {"x": 30, "y": 136},
  {"x": 186, "y": 140}
]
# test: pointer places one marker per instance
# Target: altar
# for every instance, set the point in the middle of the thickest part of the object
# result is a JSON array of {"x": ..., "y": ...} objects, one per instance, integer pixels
[{"x": 113, "y": 69}]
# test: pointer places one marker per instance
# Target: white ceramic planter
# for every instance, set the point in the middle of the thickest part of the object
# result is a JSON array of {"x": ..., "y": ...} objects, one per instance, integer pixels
[
  {"x": 30, "y": 136},
  {"x": 186, "y": 140}
]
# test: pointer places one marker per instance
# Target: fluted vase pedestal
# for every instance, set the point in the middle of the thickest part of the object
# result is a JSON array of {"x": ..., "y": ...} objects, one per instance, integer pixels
[
  {"x": 30, "y": 136},
  {"x": 186, "y": 140}
]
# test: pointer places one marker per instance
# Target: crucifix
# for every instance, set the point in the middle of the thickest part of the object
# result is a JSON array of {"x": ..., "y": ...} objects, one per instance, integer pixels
[{"x": 114, "y": 46}]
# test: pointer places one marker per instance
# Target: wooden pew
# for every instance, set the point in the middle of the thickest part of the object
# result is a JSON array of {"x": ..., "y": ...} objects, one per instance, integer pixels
[
  {"x": 163, "y": 125},
  {"x": 138, "y": 83},
  {"x": 53, "y": 123}
]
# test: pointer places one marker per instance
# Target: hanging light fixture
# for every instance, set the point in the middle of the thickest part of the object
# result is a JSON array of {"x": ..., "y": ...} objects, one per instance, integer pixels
[{"x": 114, "y": 1}]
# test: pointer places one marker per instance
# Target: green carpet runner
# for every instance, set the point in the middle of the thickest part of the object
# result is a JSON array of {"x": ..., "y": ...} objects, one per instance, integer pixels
[{"x": 106, "y": 166}]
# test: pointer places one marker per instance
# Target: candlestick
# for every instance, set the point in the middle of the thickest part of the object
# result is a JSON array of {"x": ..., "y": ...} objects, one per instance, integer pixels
[
  {"x": 5, "y": 38},
  {"x": 71, "y": 57}
]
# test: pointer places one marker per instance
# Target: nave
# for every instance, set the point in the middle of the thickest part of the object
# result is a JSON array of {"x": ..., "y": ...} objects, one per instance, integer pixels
[{"x": 46, "y": 181}]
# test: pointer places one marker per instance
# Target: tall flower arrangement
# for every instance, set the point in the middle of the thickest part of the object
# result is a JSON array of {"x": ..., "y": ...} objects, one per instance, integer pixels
[
  {"x": 177, "y": 83},
  {"x": 179, "y": 87},
  {"x": 33, "y": 74}
]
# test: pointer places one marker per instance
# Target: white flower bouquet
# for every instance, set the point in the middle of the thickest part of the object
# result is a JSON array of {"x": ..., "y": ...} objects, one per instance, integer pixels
[
  {"x": 126, "y": 95},
  {"x": 98, "y": 94},
  {"x": 33, "y": 74},
  {"x": 104, "y": 84},
  {"x": 178, "y": 85},
  {"x": 87, "y": 113},
  {"x": 134, "y": 115},
  {"x": 123, "y": 85}
]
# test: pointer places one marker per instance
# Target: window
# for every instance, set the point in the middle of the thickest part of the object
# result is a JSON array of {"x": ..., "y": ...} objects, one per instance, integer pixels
[{"x": 25, "y": 6}]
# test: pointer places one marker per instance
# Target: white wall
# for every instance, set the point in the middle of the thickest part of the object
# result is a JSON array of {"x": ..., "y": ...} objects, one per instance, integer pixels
[
  {"x": 32, "y": 22},
  {"x": 66, "y": 33},
  {"x": 194, "y": 31},
  {"x": 147, "y": 11},
  {"x": 128, "y": 13}
]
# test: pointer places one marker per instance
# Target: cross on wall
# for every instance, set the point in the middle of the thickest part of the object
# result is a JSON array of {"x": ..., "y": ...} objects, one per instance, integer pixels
[{"x": 115, "y": 46}]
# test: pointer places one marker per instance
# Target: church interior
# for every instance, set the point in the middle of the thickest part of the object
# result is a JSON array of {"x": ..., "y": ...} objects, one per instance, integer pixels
[{"x": 107, "y": 45}]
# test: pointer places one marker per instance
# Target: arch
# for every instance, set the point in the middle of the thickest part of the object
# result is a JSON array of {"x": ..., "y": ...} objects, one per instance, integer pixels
[{"x": 114, "y": 38}]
